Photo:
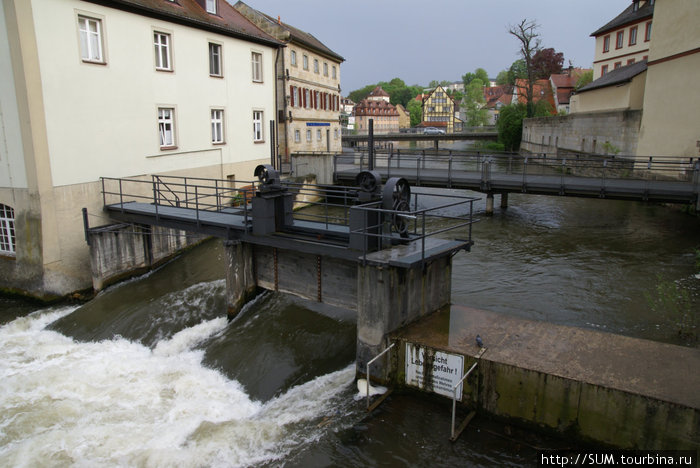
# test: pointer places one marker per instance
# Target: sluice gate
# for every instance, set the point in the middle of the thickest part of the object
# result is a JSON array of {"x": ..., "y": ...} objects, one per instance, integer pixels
[{"x": 383, "y": 250}]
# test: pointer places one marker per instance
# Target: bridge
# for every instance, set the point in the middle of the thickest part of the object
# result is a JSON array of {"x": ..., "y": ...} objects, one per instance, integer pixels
[
  {"x": 374, "y": 248},
  {"x": 669, "y": 180},
  {"x": 476, "y": 133}
]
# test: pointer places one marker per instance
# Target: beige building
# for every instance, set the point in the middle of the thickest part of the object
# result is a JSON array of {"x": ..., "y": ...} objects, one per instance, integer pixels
[
  {"x": 308, "y": 89},
  {"x": 439, "y": 110},
  {"x": 671, "y": 98},
  {"x": 378, "y": 108},
  {"x": 625, "y": 39},
  {"x": 117, "y": 88},
  {"x": 619, "y": 90},
  {"x": 404, "y": 117}
]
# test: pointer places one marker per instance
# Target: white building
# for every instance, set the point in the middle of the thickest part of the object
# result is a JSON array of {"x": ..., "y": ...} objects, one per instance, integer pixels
[{"x": 117, "y": 88}]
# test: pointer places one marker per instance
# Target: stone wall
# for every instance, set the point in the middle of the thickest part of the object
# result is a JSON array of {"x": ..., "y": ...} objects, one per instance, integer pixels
[
  {"x": 118, "y": 251},
  {"x": 583, "y": 133}
]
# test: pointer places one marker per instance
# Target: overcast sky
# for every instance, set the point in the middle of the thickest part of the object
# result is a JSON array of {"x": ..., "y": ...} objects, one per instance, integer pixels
[{"x": 420, "y": 41}]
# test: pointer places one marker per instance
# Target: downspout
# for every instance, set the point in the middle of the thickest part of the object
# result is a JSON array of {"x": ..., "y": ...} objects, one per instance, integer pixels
[{"x": 283, "y": 118}]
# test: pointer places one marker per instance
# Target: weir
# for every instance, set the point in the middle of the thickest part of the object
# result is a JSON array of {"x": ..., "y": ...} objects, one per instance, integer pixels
[{"x": 368, "y": 248}]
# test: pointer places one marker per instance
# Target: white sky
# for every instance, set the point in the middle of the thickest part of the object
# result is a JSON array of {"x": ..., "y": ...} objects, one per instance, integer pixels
[{"x": 439, "y": 40}]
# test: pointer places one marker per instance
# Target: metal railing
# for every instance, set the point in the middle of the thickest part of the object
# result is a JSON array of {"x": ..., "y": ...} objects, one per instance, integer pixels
[
  {"x": 367, "y": 374},
  {"x": 455, "y": 434},
  {"x": 577, "y": 165},
  {"x": 325, "y": 205}
]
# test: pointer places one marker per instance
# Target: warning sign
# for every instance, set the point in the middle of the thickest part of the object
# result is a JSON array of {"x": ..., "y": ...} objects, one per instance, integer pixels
[{"x": 434, "y": 371}]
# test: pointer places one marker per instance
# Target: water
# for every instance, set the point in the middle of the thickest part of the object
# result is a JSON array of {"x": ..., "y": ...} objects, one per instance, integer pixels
[{"x": 150, "y": 373}]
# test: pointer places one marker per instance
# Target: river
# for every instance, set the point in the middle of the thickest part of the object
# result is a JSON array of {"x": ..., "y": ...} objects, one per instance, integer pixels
[{"x": 150, "y": 372}]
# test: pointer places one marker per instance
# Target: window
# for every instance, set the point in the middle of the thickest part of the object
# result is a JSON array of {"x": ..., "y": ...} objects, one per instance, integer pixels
[
  {"x": 318, "y": 134},
  {"x": 620, "y": 39},
  {"x": 617, "y": 65},
  {"x": 211, "y": 6},
  {"x": 603, "y": 70},
  {"x": 308, "y": 135},
  {"x": 90, "y": 39},
  {"x": 166, "y": 127},
  {"x": 306, "y": 62},
  {"x": 633, "y": 36},
  {"x": 335, "y": 134},
  {"x": 161, "y": 41},
  {"x": 294, "y": 58},
  {"x": 325, "y": 69},
  {"x": 258, "y": 126},
  {"x": 257, "y": 67},
  {"x": 7, "y": 230},
  {"x": 215, "y": 59},
  {"x": 630, "y": 61},
  {"x": 335, "y": 74},
  {"x": 307, "y": 101},
  {"x": 217, "y": 126},
  {"x": 606, "y": 43},
  {"x": 635, "y": 5},
  {"x": 297, "y": 136},
  {"x": 647, "y": 33},
  {"x": 315, "y": 66},
  {"x": 315, "y": 99}
]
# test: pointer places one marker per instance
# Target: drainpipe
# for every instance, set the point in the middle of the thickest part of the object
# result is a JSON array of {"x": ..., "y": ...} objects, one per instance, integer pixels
[{"x": 281, "y": 120}]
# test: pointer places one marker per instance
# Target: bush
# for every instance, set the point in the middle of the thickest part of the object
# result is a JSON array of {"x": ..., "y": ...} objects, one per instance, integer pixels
[{"x": 510, "y": 126}]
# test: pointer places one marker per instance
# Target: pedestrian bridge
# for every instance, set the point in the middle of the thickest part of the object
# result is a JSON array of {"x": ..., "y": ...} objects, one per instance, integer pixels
[{"x": 669, "y": 180}]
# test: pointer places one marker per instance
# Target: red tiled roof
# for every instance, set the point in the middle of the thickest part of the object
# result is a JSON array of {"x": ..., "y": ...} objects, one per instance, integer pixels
[
  {"x": 227, "y": 21},
  {"x": 542, "y": 89},
  {"x": 498, "y": 94},
  {"x": 370, "y": 107},
  {"x": 378, "y": 91}
]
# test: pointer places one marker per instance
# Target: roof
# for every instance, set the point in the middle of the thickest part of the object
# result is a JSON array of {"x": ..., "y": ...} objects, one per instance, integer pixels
[
  {"x": 378, "y": 91},
  {"x": 616, "y": 77},
  {"x": 498, "y": 94},
  {"x": 542, "y": 89},
  {"x": 626, "y": 17},
  {"x": 228, "y": 21},
  {"x": 568, "y": 79},
  {"x": 291, "y": 33},
  {"x": 371, "y": 107}
]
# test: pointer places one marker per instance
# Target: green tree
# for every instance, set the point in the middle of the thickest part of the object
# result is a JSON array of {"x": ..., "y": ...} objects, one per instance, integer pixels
[
  {"x": 359, "y": 94},
  {"x": 503, "y": 78},
  {"x": 584, "y": 79},
  {"x": 479, "y": 73},
  {"x": 474, "y": 102},
  {"x": 510, "y": 125},
  {"x": 415, "y": 108}
]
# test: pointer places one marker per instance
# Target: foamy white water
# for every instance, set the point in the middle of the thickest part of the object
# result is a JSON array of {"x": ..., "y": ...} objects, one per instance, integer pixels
[{"x": 119, "y": 403}]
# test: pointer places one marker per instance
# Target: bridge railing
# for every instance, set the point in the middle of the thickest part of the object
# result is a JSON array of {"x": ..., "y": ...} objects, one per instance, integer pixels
[{"x": 577, "y": 165}]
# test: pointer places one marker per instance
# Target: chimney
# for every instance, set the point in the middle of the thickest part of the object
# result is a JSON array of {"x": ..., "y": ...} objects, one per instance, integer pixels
[{"x": 279, "y": 20}]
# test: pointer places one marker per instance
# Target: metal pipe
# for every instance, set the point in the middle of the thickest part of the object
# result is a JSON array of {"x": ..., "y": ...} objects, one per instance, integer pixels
[
  {"x": 454, "y": 395},
  {"x": 369, "y": 363}
]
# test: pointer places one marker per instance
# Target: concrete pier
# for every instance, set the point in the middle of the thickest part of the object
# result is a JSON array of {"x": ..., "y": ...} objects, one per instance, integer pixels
[{"x": 594, "y": 386}]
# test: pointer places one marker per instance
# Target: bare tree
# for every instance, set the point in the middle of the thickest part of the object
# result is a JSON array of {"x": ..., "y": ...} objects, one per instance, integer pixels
[{"x": 530, "y": 43}]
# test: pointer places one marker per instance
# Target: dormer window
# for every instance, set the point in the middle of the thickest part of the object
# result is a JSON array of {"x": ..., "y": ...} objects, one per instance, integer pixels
[
  {"x": 635, "y": 6},
  {"x": 211, "y": 6}
]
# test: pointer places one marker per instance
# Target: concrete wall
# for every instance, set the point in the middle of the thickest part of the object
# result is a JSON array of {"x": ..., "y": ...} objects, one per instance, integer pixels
[
  {"x": 626, "y": 96},
  {"x": 320, "y": 165},
  {"x": 582, "y": 132},
  {"x": 121, "y": 250},
  {"x": 577, "y": 409}
]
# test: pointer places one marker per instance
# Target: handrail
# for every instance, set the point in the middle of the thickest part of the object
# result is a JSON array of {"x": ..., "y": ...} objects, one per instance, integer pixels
[
  {"x": 369, "y": 363},
  {"x": 454, "y": 436}
]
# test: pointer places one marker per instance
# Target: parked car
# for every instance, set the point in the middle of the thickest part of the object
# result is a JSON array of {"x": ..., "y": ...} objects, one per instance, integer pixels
[{"x": 433, "y": 131}]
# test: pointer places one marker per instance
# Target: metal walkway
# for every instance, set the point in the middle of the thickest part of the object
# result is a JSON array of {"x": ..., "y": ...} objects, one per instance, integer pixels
[
  {"x": 343, "y": 222},
  {"x": 670, "y": 180}
]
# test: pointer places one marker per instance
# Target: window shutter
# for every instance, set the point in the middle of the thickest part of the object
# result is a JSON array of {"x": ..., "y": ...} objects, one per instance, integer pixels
[{"x": 291, "y": 94}]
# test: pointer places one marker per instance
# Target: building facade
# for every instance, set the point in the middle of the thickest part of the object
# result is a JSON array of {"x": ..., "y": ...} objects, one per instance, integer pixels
[
  {"x": 378, "y": 108},
  {"x": 439, "y": 110},
  {"x": 308, "y": 88},
  {"x": 117, "y": 88},
  {"x": 625, "y": 39}
]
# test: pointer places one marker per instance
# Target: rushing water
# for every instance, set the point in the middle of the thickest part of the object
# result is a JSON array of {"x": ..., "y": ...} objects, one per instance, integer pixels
[{"x": 150, "y": 373}]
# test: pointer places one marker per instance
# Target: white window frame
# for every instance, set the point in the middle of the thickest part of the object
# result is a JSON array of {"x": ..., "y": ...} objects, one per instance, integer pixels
[
  {"x": 8, "y": 240},
  {"x": 163, "y": 50},
  {"x": 319, "y": 136},
  {"x": 308, "y": 134},
  {"x": 335, "y": 72},
  {"x": 297, "y": 136},
  {"x": 316, "y": 66},
  {"x": 296, "y": 96},
  {"x": 166, "y": 127},
  {"x": 293, "y": 57},
  {"x": 325, "y": 68},
  {"x": 306, "y": 62},
  {"x": 256, "y": 62},
  {"x": 217, "y": 127},
  {"x": 216, "y": 59},
  {"x": 91, "y": 51},
  {"x": 211, "y": 7},
  {"x": 258, "y": 129}
]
